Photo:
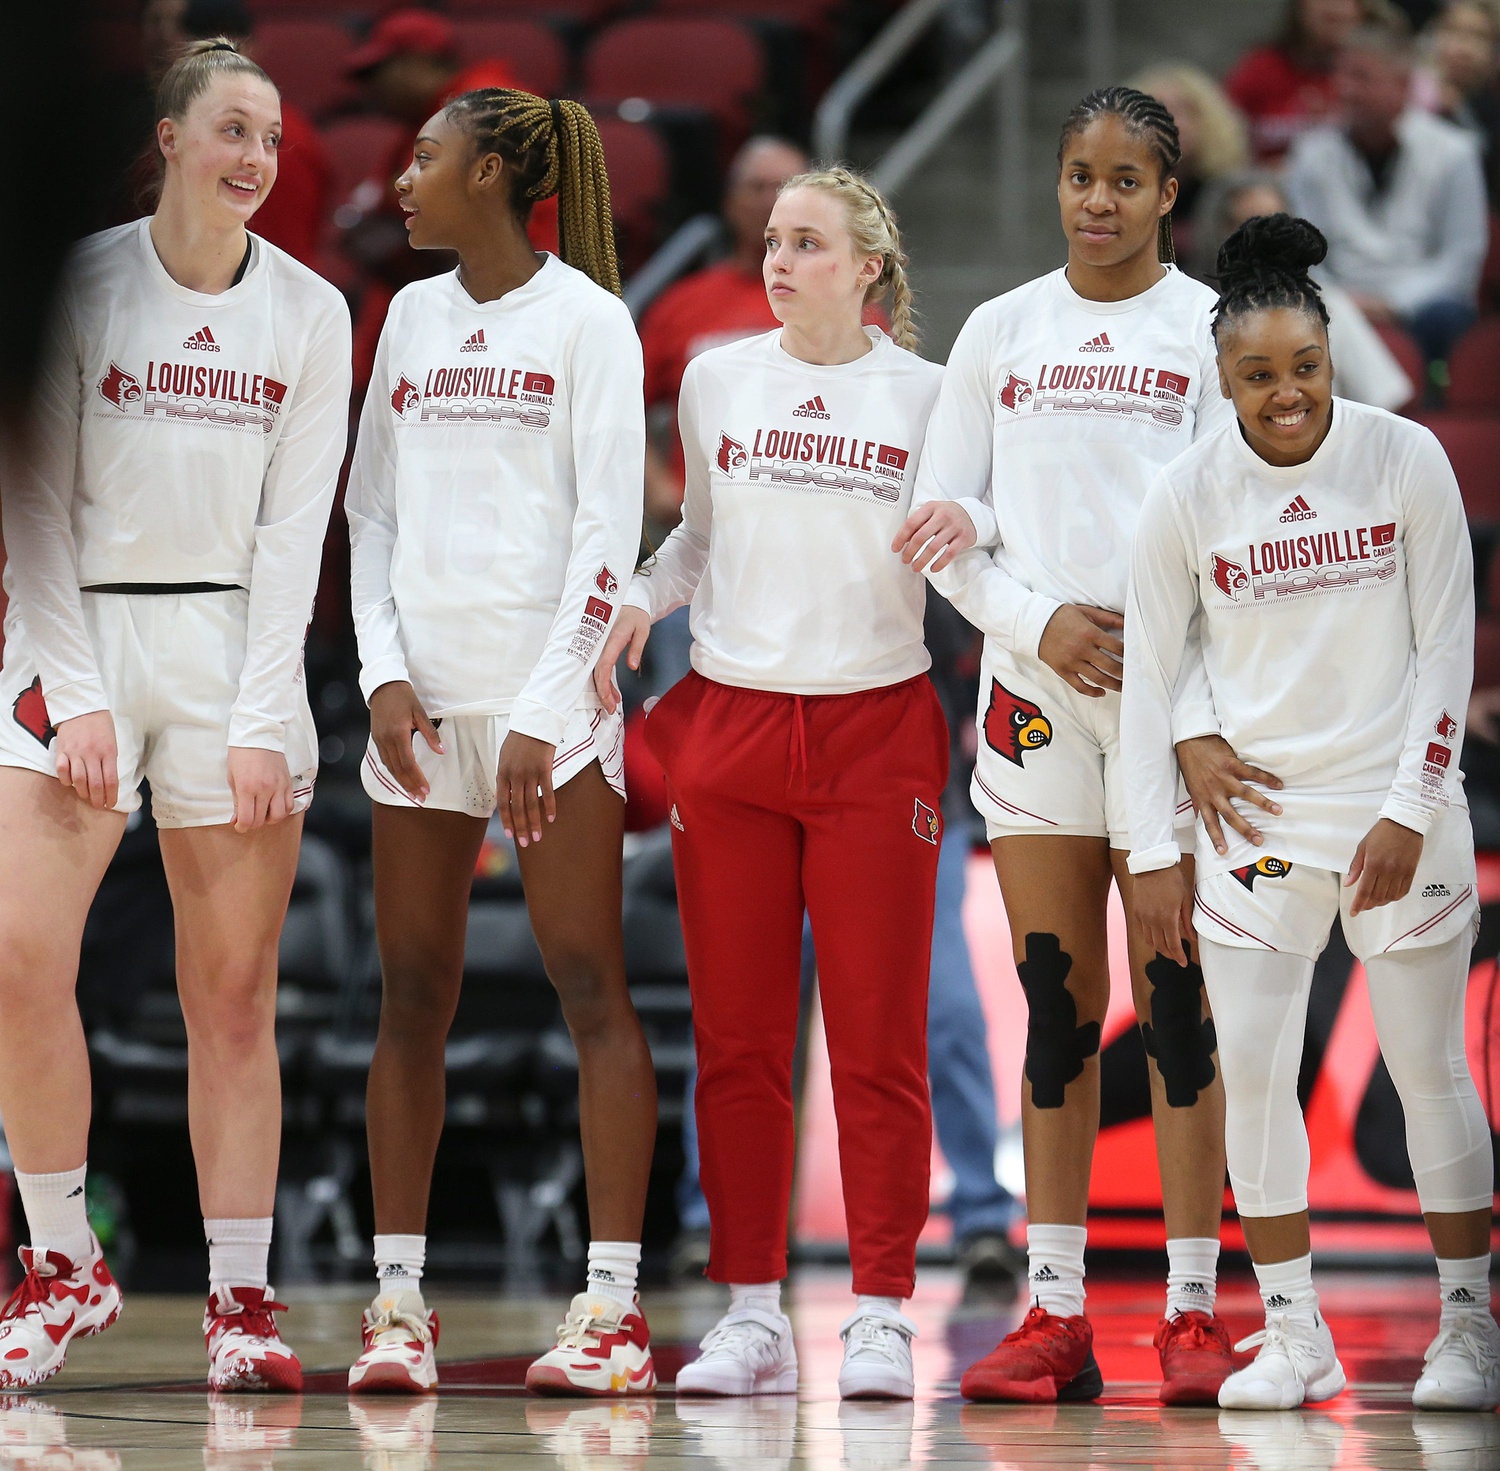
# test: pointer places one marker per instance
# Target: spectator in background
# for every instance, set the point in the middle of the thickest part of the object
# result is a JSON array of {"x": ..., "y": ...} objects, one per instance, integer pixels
[
  {"x": 1287, "y": 85},
  {"x": 1366, "y": 369},
  {"x": 1399, "y": 195},
  {"x": 1458, "y": 78},
  {"x": 408, "y": 68},
  {"x": 719, "y": 304},
  {"x": 1213, "y": 135}
]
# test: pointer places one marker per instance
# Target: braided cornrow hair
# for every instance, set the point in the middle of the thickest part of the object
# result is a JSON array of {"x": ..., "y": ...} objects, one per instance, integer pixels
[
  {"x": 1142, "y": 114},
  {"x": 872, "y": 227},
  {"x": 1264, "y": 265},
  {"x": 553, "y": 148}
]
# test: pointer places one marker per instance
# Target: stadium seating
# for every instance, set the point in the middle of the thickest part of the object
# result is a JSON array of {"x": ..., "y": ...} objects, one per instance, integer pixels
[
  {"x": 1472, "y": 442},
  {"x": 305, "y": 58},
  {"x": 1403, "y": 347},
  {"x": 640, "y": 178},
  {"x": 577, "y": 12},
  {"x": 1474, "y": 367},
  {"x": 534, "y": 52}
]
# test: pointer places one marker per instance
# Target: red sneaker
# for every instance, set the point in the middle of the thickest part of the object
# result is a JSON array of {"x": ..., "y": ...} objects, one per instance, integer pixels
[
  {"x": 1196, "y": 1358},
  {"x": 1047, "y": 1358},
  {"x": 245, "y": 1348}
]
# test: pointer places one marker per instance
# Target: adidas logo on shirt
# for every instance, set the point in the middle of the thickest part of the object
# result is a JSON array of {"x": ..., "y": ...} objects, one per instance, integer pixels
[
  {"x": 1101, "y": 343},
  {"x": 1299, "y": 510},
  {"x": 476, "y": 343},
  {"x": 812, "y": 409},
  {"x": 201, "y": 341}
]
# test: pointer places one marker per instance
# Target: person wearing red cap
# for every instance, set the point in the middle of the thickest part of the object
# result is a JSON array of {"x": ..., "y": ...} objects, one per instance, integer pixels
[{"x": 409, "y": 69}]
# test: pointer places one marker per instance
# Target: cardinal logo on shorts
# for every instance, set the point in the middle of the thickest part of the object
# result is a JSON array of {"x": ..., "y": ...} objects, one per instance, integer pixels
[
  {"x": 405, "y": 396},
  {"x": 119, "y": 388},
  {"x": 30, "y": 711},
  {"x": 731, "y": 456},
  {"x": 1229, "y": 577},
  {"x": 1013, "y": 726},
  {"x": 1446, "y": 727},
  {"x": 1262, "y": 868},
  {"x": 924, "y": 823},
  {"x": 1015, "y": 392}
]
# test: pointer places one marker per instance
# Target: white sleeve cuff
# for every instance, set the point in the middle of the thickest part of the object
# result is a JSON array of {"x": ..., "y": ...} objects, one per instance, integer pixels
[
  {"x": 1418, "y": 816},
  {"x": 1150, "y": 860},
  {"x": 1193, "y": 720},
  {"x": 69, "y": 701},
  {"x": 638, "y": 594},
  {"x": 383, "y": 671},
  {"x": 257, "y": 732},
  {"x": 1033, "y": 623},
  {"x": 529, "y": 718},
  {"x": 986, "y": 527}
]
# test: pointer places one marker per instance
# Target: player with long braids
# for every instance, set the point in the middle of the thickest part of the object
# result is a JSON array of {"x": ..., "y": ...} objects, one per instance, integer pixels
[
  {"x": 806, "y": 755},
  {"x": 1061, "y": 400},
  {"x": 1322, "y": 547},
  {"x": 495, "y": 512}
]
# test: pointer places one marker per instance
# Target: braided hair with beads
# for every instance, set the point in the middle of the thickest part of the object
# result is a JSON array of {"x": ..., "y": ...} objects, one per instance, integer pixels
[
  {"x": 1264, "y": 266},
  {"x": 553, "y": 148},
  {"x": 1145, "y": 116}
]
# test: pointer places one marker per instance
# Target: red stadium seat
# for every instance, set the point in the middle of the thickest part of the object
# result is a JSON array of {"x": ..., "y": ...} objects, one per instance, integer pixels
[
  {"x": 305, "y": 58},
  {"x": 640, "y": 176},
  {"x": 534, "y": 52},
  {"x": 1404, "y": 349},
  {"x": 1474, "y": 368},
  {"x": 1472, "y": 442},
  {"x": 579, "y": 12},
  {"x": 715, "y": 65},
  {"x": 809, "y": 14},
  {"x": 1487, "y": 652},
  {"x": 358, "y": 148},
  {"x": 305, "y": 9}
]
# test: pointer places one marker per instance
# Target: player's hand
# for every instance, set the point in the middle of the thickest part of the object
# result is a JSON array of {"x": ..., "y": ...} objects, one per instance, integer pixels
[
  {"x": 941, "y": 530},
  {"x": 1163, "y": 907},
  {"x": 1384, "y": 865},
  {"x": 1079, "y": 643},
  {"x": 395, "y": 713},
  {"x": 261, "y": 786},
  {"x": 1214, "y": 776},
  {"x": 630, "y": 630},
  {"x": 523, "y": 787},
  {"x": 88, "y": 759}
]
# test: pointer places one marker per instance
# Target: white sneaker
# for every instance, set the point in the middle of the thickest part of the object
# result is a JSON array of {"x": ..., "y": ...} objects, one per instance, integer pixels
[
  {"x": 400, "y": 1343},
  {"x": 602, "y": 1348},
  {"x": 1462, "y": 1366},
  {"x": 245, "y": 1349},
  {"x": 55, "y": 1303},
  {"x": 1296, "y": 1365},
  {"x": 748, "y": 1351},
  {"x": 877, "y": 1356}
]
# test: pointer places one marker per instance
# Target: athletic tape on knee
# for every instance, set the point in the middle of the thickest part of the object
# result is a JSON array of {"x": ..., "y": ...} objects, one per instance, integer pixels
[
  {"x": 1179, "y": 1036},
  {"x": 1056, "y": 1046}
]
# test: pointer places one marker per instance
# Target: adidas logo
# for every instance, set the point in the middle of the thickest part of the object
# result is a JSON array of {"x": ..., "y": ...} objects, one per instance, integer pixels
[
  {"x": 1044, "y": 1273},
  {"x": 201, "y": 341},
  {"x": 812, "y": 409},
  {"x": 1461, "y": 1295},
  {"x": 1276, "y": 1300},
  {"x": 1200, "y": 1288},
  {"x": 74, "y": 1193},
  {"x": 1438, "y": 891},
  {"x": 676, "y": 820},
  {"x": 476, "y": 343},
  {"x": 1101, "y": 343},
  {"x": 1299, "y": 510}
]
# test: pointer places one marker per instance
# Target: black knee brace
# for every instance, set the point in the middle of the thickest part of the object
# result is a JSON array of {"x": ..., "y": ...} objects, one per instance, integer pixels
[
  {"x": 1179, "y": 1036},
  {"x": 1056, "y": 1046}
]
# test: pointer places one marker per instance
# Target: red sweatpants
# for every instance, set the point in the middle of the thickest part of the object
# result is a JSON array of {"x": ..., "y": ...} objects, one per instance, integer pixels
[{"x": 829, "y": 802}]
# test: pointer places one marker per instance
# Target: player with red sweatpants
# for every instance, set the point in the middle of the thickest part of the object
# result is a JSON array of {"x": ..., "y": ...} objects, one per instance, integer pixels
[{"x": 805, "y": 756}]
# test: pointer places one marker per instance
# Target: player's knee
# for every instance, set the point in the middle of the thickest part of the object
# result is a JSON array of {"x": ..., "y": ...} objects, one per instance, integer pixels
[
  {"x": 590, "y": 989},
  {"x": 1178, "y": 1037},
  {"x": 419, "y": 996},
  {"x": 1057, "y": 1047}
]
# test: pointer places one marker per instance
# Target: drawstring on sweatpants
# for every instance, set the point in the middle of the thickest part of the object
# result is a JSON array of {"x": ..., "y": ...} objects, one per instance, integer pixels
[{"x": 799, "y": 744}]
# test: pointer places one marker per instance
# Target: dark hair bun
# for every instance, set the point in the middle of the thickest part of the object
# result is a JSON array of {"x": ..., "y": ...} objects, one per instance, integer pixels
[{"x": 1267, "y": 248}]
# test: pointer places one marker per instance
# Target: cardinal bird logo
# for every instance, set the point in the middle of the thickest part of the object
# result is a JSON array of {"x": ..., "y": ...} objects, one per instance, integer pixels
[
  {"x": 605, "y": 582},
  {"x": 1262, "y": 868},
  {"x": 924, "y": 822},
  {"x": 119, "y": 388},
  {"x": 1013, "y": 726},
  {"x": 30, "y": 711},
  {"x": 1015, "y": 392},
  {"x": 405, "y": 396},
  {"x": 1446, "y": 727},
  {"x": 731, "y": 456},
  {"x": 1229, "y": 577}
]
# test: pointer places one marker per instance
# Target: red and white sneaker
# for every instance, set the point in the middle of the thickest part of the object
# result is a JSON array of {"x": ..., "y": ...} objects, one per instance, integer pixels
[
  {"x": 55, "y": 1303},
  {"x": 1196, "y": 1358},
  {"x": 1047, "y": 1358},
  {"x": 400, "y": 1335},
  {"x": 602, "y": 1348},
  {"x": 245, "y": 1351}
]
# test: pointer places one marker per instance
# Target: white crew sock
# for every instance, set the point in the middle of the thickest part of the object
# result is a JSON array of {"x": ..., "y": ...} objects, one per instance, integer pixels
[
  {"x": 237, "y": 1251},
  {"x": 877, "y": 1307},
  {"x": 763, "y": 1295},
  {"x": 1288, "y": 1286},
  {"x": 57, "y": 1213},
  {"x": 1192, "y": 1271},
  {"x": 399, "y": 1261},
  {"x": 1465, "y": 1285},
  {"x": 613, "y": 1268},
  {"x": 1055, "y": 1258}
]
